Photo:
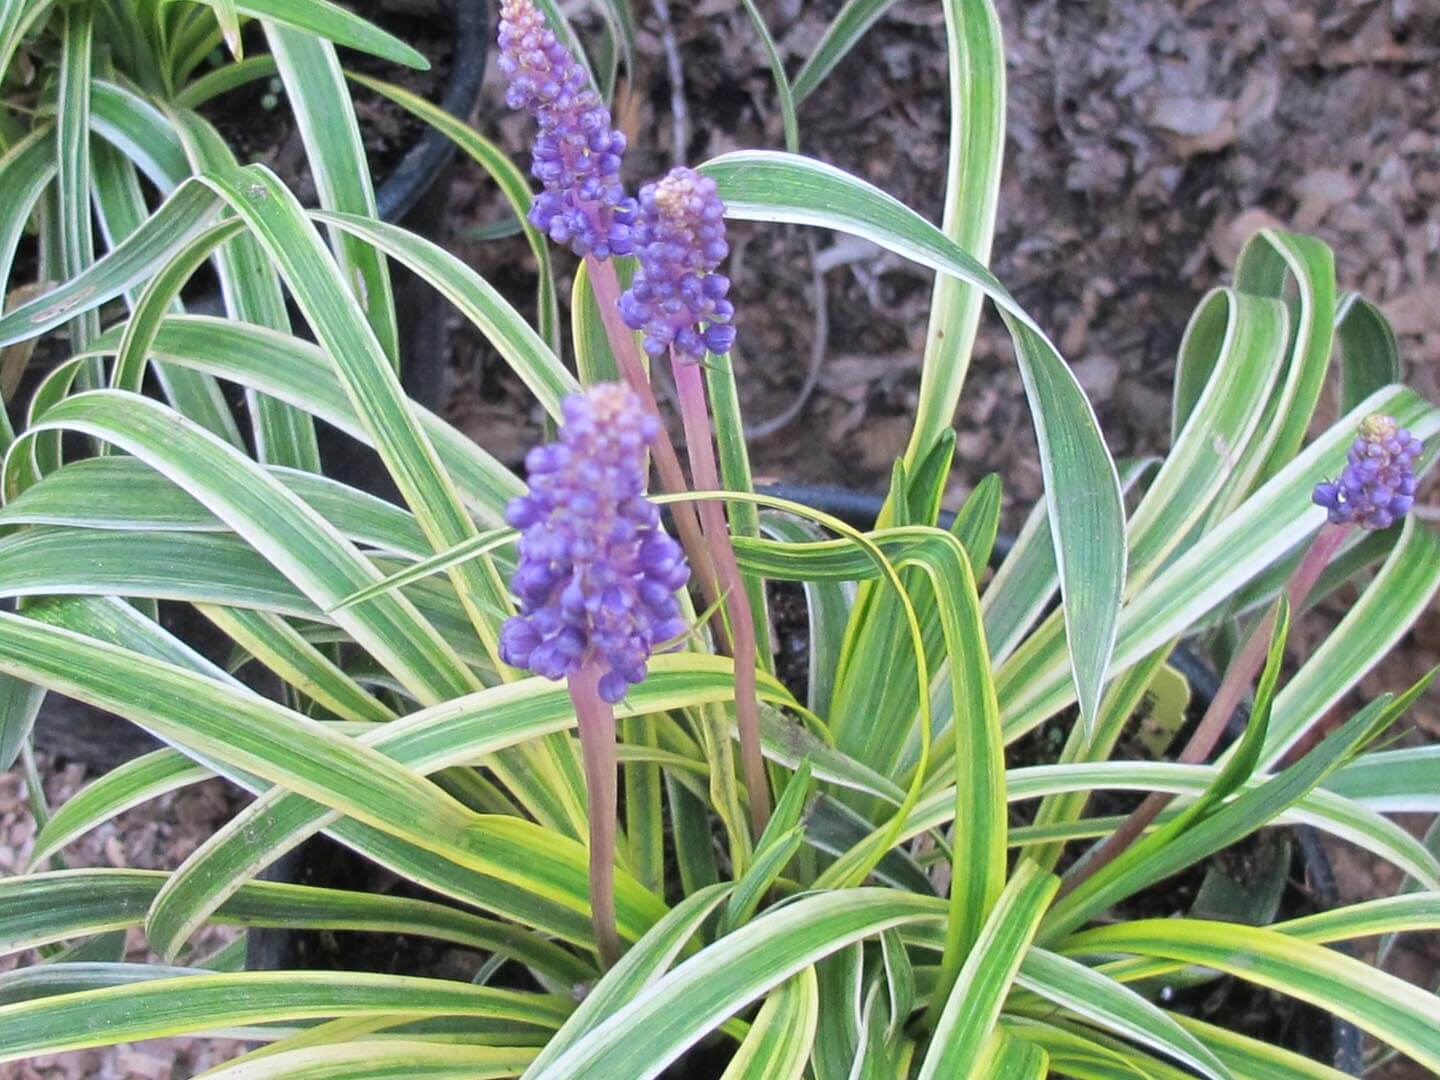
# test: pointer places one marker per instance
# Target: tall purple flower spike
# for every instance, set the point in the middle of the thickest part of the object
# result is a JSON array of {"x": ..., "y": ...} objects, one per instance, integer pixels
[
  {"x": 680, "y": 240},
  {"x": 1377, "y": 487},
  {"x": 576, "y": 156},
  {"x": 597, "y": 574}
]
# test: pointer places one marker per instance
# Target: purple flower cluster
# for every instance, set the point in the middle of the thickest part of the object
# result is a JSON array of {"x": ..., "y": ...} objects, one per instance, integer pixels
[
  {"x": 680, "y": 240},
  {"x": 597, "y": 574},
  {"x": 576, "y": 156},
  {"x": 1378, "y": 484}
]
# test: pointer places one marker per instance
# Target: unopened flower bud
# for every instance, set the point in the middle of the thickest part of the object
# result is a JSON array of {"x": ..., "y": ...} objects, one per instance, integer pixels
[
  {"x": 677, "y": 300},
  {"x": 1377, "y": 486}
]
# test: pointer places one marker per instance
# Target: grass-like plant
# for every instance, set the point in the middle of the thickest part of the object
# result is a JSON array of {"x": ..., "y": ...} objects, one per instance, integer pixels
[{"x": 883, "y": 917}]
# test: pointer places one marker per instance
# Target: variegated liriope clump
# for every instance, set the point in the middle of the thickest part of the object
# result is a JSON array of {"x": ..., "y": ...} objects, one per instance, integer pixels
[{"x": 545, "y": 702}]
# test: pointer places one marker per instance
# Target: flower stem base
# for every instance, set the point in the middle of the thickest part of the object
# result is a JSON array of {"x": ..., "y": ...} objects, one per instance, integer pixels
[{"x": 596, "y": 720}]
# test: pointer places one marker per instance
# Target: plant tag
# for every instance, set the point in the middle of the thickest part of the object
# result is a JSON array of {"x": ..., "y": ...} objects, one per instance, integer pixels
[{"x": 1162, "y": 710}]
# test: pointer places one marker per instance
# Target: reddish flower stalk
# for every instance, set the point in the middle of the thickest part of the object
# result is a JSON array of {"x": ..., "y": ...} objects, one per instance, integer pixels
[
  {"x": 596, "y": 719},
  {"x": 678, "y": 302},
  {"x": 696, "y": 415},
  {"x": 1375, "y": 490},
  {"x": 606, "y": 286}
]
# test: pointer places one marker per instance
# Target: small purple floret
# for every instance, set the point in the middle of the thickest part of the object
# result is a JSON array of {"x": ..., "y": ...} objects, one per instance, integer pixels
[
  {"x": 597, "y": 575},
  {"x": 576, "y": 156},
  {"x": 680, "y": 240},
  {"x": 1377, "y": 487}
]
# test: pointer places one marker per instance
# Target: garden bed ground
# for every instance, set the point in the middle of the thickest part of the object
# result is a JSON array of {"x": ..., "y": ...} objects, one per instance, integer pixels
[{"x": 1147, "y": 139}]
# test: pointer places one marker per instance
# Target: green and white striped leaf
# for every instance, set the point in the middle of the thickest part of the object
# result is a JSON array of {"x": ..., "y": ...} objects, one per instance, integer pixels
[
  {"x": 282, "y": 528},
  {"x": 236, "y": 727},
  {"x": 647, "y": 960},
  {"x": 391, "y": 1058},
  {"x": 74, "y": 231},
  {"x": 124, "y": 494},
  {"x": 778, "y": 1044},
  {"x": 1398, "y": 781},
  {"x": 182, "y": 217},
  {"x": 127, "y": 785},
  {"x": 328, "y": 20},
  {"x": 1251, "y": 1059},
  {"x": 972, "y": 1006},
  {"x": 698, "y": 995},
  {"x": 1109, "y": 1004},
  {"x": 1244, "y": 340},
  {"x": 320, "y": 100},
  {"x": 40, "y": 909},
  {"x": 26, "y": 170},
  {"x": 508, "y": 178},
  {"x": 475, "y": 298},
  {"x": 251, "y": 292},
  {"x": 848, "y": 27},
  {"x": 1087, "y": 517},
  {"x": 17, "y": 18},
  {"x": 210, "y": 1002},
  {"x": 298, "y": 372},
  {"x": 284, "y": 650},
  {"x": 1369, "y": 351},
  {"x": 785, "y": 97},
  {"x": 19, "y": 705},
  {"x": 976, "y": 75},
  {"x": 1392, "y": 1010},
  {"x": 136, "y": 126}
]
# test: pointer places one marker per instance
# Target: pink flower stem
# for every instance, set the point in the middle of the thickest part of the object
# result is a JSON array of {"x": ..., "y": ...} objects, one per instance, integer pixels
[
  {"x": 596, "y": 720},
  {"x": 1233, "y": 687},
  {"x": 667, "y": 463},
  {"x": 690, "y": 385}
]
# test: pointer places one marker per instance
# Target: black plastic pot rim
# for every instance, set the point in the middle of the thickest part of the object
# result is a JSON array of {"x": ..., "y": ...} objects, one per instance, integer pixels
[{"x": 426, "y": 160}]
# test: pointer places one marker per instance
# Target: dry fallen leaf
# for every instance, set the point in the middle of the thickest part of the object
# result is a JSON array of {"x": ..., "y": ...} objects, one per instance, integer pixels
[
  {"x": 1416, "y": 312},
  {"x": 1318, "y": 193},
  {"x": 1228, "y": 237}
]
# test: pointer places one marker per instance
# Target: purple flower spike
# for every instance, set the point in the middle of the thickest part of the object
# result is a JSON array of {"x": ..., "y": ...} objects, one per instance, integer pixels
[
  {"x": 597, "y": 574},
  {"x": 576, "y": 156},
  {"x": 680, "y": 240},
  {"x": 1378, "y": 484}
]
